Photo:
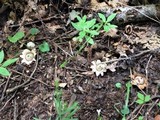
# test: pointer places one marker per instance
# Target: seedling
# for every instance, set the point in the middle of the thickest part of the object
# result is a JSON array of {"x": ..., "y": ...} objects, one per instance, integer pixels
[
  {"x": 99, "y": 114},
  {"x": 142, "y": 98},
  {"x": 44, "y": 47},
  {"x": 140, "y": 118},
  {"x": 118, "y": 85},
  {"x": 15, "y": 38},
  {"x": 3, "y": 65},
  {"x": 34, "y": 31},
  {"x": 63, "y": 64},
  {"x": 19, "y": 35},
  {"x": 125, "y": 110},
  {"x": 88, "y": 29},
  {"x": 158, "y": 104},
  {"x": 106, "y": 22},
  {"x": 63, "y": 110}
]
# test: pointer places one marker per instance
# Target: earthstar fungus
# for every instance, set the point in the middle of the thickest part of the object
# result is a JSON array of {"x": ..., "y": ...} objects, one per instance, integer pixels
[{"x": 28, "y": 56}]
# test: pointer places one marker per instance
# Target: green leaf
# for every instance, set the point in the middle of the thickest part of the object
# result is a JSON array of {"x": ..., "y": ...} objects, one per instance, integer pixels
[
  {"x": 128, "y": 85},
  {"x": 63, "y": 64},
  {"x": 95, "y": 26},
  {"x": 111, "y": 17},
  {"x": 4, "y": 71},
  {"x": 90, "y": 23},
  {"x": 112, "y": 26},
  {"x": 34, "y": 118},
  {"x": 73, "y": 109},
  {"x": 89, "y": 40},
  {"x": 106, "y": 28},
  {"x": 125, "y": 110},
  {"x": 19, "y": 35},
  {"x": 147, "y": 98},
  {"x": 1, "y": 56},
  {"x": 82, "y": 34},
  {"x": 139, "y": 101},
  {"x": 84, "y": 18},
  {"x": 92, "y": 32},
  {"x": 118, "y": 85},
  {"x": 158, "y": 104},
  {"x": 140, "y": 96},
  {"x": 9, "y": 62},
  {"x": 103, "y": 18},
  {"x": 34, "y": 31},
  {"x": 79, "y": 18},
  {"x": 140, "y": 118},
  {"x": 77, "y": 26},
  {"x": 44, "y": 47}
]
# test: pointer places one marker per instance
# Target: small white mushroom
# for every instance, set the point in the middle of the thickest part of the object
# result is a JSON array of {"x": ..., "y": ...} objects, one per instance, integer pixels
[{"x": 28, "y": 56}]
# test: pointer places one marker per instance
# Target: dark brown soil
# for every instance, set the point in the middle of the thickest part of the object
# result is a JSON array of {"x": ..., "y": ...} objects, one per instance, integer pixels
[{"x": 35, "y": 98}]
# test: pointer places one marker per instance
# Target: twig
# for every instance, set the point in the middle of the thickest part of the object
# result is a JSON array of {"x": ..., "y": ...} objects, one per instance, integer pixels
[
  {"x": 36, "y": 21},
  {"x": 15, "y": 110},
  {"x": 135, "y": 110},
  {"x": 128, "y": 58},
  {"x": 133, "y": 118},
  {"x": 4, "y": 90},
  {"x": 147, "y": 113},
  {"x": 7, "y": 102},
  {"x": 146, "y": 69},
  {"x": 131, "y": 114}
]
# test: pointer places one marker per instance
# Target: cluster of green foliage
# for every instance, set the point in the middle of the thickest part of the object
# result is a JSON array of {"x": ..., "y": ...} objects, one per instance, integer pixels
[
  {"x": 3, "y": 65},
  {"x": 44, "y": 47},
  {"x": 19, "y": 35},
  {"x": 125, "y": 109},
  {"x": 118, "y": 85},
  {"x": 142, "y": 98},
  {"x": 88, "y": 29},
  {"x": 63, "y": 110}
]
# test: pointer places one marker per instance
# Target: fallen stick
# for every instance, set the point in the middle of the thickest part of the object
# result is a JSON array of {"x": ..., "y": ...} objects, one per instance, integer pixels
[{"x": 130, "y": 14}]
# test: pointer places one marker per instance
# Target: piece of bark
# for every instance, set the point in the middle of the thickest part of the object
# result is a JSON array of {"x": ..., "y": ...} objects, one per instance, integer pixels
[{"x": 134, "y": 13}]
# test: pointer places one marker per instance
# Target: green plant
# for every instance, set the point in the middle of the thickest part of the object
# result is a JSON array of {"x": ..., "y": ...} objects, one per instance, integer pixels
[
  {"x": 140, "y": 118},
  {"x": 125, "y": 109},
  {"x": 142, "y": 98},
  {"x": 88, "y": 29},
  {"x": 118, "y": 85},
  {"x": 63, "y": 64},
  {"x": 19, "y": 35},
  {"x": 34, "y": 118},
  {"x": 63, "y": 110},
  {"x": 44, "y": 47},
  {"x": 34, "y": 31},
  {"x": 106, "y": 22},
  {"x": 158, "y": 104},
  {"x": 3, "y": 65},
  {"x": 99, "y": 114}
]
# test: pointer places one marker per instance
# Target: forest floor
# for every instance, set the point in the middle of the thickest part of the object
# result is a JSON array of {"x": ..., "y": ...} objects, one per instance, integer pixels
[{"x": 131, "y": 51}]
